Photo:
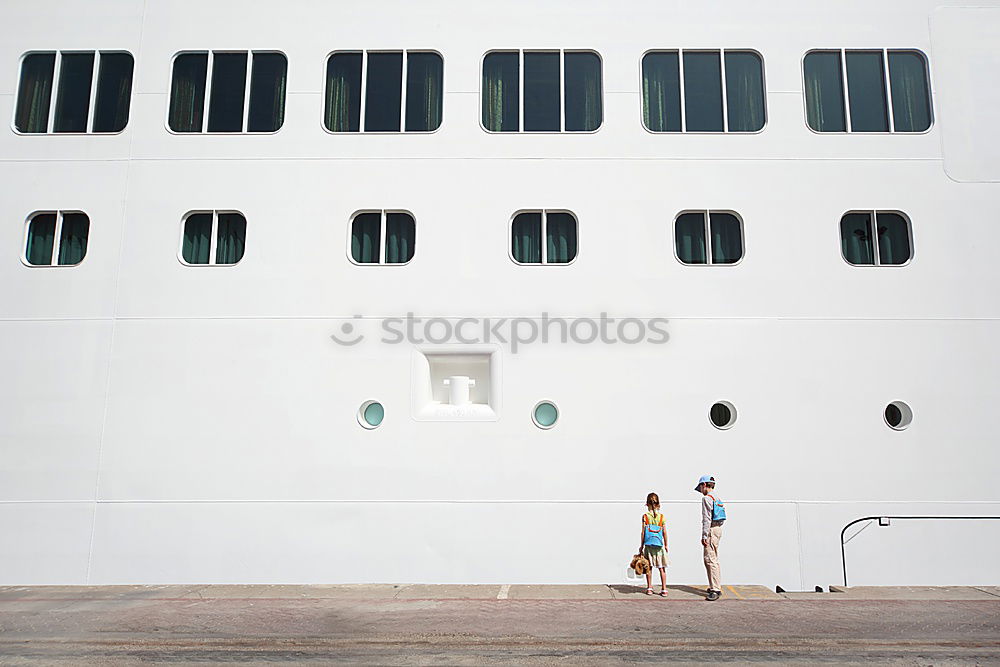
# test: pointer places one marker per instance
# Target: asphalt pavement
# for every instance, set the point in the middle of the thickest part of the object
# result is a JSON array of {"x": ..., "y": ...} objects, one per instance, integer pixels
[{"x": 474, "y": 625}]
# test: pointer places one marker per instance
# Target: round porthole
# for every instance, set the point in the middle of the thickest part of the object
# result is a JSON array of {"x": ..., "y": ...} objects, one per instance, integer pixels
[
  {"x": 371, "y": 414},
  {"x": 898, "y": 415},
  {"x": 722, "y": 414},
  {"x": 545, "y": 414}
]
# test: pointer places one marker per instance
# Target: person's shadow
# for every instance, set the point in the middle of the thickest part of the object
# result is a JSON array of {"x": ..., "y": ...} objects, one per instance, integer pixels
[{"x": 625, "y": 589}]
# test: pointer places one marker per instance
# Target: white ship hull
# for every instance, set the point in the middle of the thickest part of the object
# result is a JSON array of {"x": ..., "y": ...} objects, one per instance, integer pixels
[{"x": 161, "y": 423}]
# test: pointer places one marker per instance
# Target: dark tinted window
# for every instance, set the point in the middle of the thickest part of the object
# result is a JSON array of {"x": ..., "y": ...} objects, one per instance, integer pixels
[
  {"x": 197, "y": 238},
  {"x": 893, "y": 238},
  {"x": 866, "y": 91},
  {"x": 76, "y": 73},
  {"x": 229, "y": 79},
  {"x": 824, "y": 92},
  {"x": 343, "y": 92},
  {"x": 114, "y": 91},
  {"x": 744, "y": 91},
  {"x": 661, "y": 92},
  {"x": 526, "y": 238},
  {"x": 911, "y": 110},
  {"x": 366, "y": 237},
  {"x": 41, "y": 239},
  {"x": 584, "y": 97},
  {"x": 689, "y": 238},
  {"x": 541, "y": 92},
  {"x": 187, "y": 92},
  {"x": 702, "y": 92},
  {"x": 384, "y": 92},
  {"x": 267, "y": 92},
  {"x": 501, "y": 92},
  {"x": 424, "y": 94},
  {"x": 34, "y": 93}
]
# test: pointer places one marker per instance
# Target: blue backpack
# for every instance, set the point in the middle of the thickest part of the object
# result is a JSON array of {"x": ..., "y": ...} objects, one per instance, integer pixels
[
  {"x": 718, "y": 509},
  {"x": 652, "y": 535}
]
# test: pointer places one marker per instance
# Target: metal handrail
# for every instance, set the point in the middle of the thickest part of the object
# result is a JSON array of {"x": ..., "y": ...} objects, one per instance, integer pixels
[{"x": 843, "y": 550}]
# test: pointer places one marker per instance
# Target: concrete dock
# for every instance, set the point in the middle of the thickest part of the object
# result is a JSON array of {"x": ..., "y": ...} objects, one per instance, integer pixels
[{"x": 477, "y": 624}]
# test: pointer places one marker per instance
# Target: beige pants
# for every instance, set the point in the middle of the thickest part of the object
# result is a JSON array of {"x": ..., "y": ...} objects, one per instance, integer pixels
[{"x": 712, "y": 558}]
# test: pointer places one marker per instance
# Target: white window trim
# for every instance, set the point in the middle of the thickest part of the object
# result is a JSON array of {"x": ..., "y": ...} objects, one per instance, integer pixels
[
  {"x": 707, "y": 222},
  {"x": 56, "y": 71},
  {"x": 250, "y": 53},
  {"x": 544, "y": 242},
  {"x": 364, "y": 92},
  {"x": 725, "y": 99},
  {"x": 214, "y": 239},
  {"x": 888, "y": 89},
  {"x": 877, "y": 260},
  {"x": 383, "y": 237},
  {"x": 56, "y": 243},
  {"x": 520, "y": 91}
]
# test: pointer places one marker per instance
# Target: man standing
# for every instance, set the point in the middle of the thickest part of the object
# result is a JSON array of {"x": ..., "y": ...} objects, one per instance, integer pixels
[{"x": 713, "y": 514}]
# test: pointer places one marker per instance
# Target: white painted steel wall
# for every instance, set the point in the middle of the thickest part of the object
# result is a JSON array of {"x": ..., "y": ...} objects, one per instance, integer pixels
[{"x": 162, "y": 423}]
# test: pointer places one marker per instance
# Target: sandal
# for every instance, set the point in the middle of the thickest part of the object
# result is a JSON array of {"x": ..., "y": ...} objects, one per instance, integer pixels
[
  {"x": 649, "y": 591},
  {"x": 663, "y": 593}
]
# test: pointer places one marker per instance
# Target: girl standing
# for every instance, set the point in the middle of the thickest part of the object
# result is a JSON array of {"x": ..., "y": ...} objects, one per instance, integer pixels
[{"x": 654, "y": 543}]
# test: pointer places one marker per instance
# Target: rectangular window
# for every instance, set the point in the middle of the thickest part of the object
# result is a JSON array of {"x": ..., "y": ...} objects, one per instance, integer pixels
[
  {"x": 888, "y": 244},
  {"x": 92, "y": 93},
  {"x": 866, "y": 91},
  {"x": 384, "y": 91},
  {"x": 899, "y": 102},
  {"x": 562, "y": 91},
  {"x": 60, "y": 235},
  {"x": 239, "y": 99},
  {"x": 703, "y": 91},
  {"x": 708, "y": 237},
  {"x": 213, "y": 238},
  {"x": 557, "y": 228},
  {"x": 370, "y": 227}
]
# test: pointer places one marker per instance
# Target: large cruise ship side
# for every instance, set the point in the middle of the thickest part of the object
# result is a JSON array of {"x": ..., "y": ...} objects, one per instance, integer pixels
[{"x": 330, "y": 292}]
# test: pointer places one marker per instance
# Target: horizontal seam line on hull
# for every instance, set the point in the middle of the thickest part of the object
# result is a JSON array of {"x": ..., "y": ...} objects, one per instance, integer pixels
[
  {"x": 552, "y": 317},
  {"x": 475, "y": 501},
  {"x": 497, "y": 158}
]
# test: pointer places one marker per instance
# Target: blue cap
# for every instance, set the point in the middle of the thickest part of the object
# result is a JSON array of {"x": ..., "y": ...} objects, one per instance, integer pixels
[{"x": 704, "y": 478}]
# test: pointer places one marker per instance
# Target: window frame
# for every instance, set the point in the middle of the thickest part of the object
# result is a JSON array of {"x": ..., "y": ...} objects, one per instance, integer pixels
[
  {"x": 544, "y": 211},
  {"x": 57, "y": 240},
  {"x": 725, "y": 100},
  {"x": 208, "y": 94},
  {"x": 364, "y": 93},
  {"x": 842, "y": 51},
  {"x": 383, "y": 238},
  {"x": 214, "y": 243},
  {"x": 706, "y": 215},
  {"x": 94, "y": 83},
  {"x": 876, "y": 264},
  {"x": 562, "y": 95}
]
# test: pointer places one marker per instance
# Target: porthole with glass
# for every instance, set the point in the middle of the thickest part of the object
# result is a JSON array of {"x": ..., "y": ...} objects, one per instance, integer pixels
[
  {"x": 722, "y": 414},
  {"x": 371, "y": 414},
  {"x": 545, "y": 414},
  {"x": 898, "y": 415}
]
